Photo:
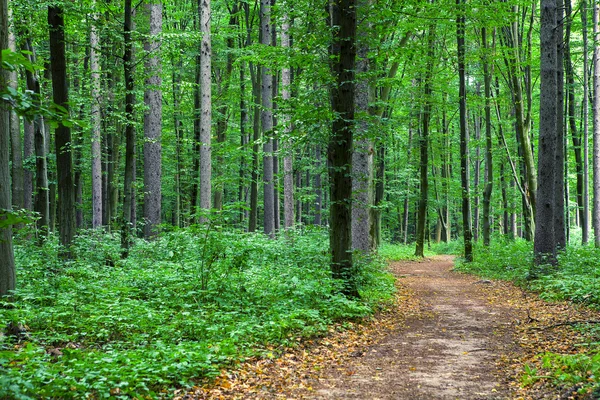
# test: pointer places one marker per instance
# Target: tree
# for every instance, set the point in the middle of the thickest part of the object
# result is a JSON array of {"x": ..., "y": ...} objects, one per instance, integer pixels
[
  {"x": 205, "y": 109},
  {"x": 288, "y": 171},
  {"x": 7, "y": 261},
  {"x": 339, "y": 151},
  {"x": 127, "y": 223},
  {"x": 153, "y": 123},
  {"x": 464, "y": 135},
  {"x": 96, "y": 125},
  {"x": 18, "y": 200},
  {"x": 489, "y": 170},
  {"x": 545, "y": 239},
  {"x": 424, "y": 144},
  {"x": 596, "y": 136},
  {"x": 266, "y": 118},
  {"x": 64, "y": 160}
]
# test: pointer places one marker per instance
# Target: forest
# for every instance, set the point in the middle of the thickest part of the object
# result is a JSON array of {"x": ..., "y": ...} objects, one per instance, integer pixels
[{"x": 190, "y": 187}]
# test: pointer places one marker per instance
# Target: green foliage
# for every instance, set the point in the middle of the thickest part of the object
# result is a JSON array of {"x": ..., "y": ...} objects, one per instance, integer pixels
[
  {"x": 579, "y": 370},
  {"x": 175, "y": 312}
]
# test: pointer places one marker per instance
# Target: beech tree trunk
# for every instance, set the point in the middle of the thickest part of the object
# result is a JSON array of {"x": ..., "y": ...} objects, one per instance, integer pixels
[
  {"x": 64, "y": 160},
  {"x": 266, "y": 91},
  {"x": 205, "y": 110},
  {"x": 545, "y": 240},
  {"x": 339, "y": 153},
  {"x": 16, "y": 152},
  {"x": 130, "y": 145},
  {"x": 424, "y": 145},
  {"x": 585, "y": 222},
  {"x": 153, "y": 124},
  {"x": 7, "y": 261},
  {"x": 464, "y": 135},
  {"x": 489, "y": 170},
  {"x": 96, "y": 126},
  {"x": 596, "y": 138},
  {"x": 288, "y": 169}
]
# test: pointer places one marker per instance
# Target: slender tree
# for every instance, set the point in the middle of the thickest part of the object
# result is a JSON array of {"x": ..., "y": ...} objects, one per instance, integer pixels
[
  {"x": 127, "y": 223},
  {"x": 288, "y": 170},
  {"x": 153, "y": 123},
  {"x": 545, "y": 239},
  {"x": 489, "y": 170},
  {"x": 16, "y": 151},
  {"x": 205, "y": 109},
  {"x": 596, "y": 138},
  {"x": 464, "y": 135},
  {"x": 7, "y": 262},
  {"x": 64, "y": 159},
  {"x": 266, "y": 91},
  {"x": 585, "y": 222},
  {"x": 339, "y": 152},
  {"x": 96, "y": 124}
]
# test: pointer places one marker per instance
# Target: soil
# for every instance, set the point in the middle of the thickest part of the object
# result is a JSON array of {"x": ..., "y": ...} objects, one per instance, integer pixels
[
  {"x": 447, "y": 336},
  {"x": 448, "y": 348}
]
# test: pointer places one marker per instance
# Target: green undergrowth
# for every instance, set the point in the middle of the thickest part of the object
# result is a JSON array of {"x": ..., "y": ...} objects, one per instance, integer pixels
[
  {"x": 174, "y": 313},
  {"x": 575, "y": 279}
]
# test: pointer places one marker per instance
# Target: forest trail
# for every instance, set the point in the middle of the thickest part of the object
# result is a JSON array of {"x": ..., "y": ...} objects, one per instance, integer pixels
[
  {"x": 447, "y": 347},
  {"x": 449, "y": 336}
]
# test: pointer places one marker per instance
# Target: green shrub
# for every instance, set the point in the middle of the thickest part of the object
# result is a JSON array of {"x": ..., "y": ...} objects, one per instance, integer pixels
[{"x": 176, "y": 311}]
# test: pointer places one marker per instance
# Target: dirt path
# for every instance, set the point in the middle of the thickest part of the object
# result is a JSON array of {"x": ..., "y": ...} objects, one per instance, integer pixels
[{"x": 447, "y": 347}]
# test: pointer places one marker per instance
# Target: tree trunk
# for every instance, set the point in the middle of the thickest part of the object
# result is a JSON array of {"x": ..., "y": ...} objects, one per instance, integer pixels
[
  {"x": 545, "y": 243},
  {"x": 288, "y": 168},
  {"x": 130, "y": 150},
  {"x": 64, "y": 161},
  {"x": 28, "y": 153},
  {"x": 16, "y": 152},
  {"x": 253, "y": 219},
  {"x": 585, "y": 222},
  {"x": 489, "y": 170},
  {"x": 97, "y": 206},
  {"x": 424, "y": 145},
  {"x": 7, "y": 261},
  {"x": 559, "y": 154},
  {"x": 339, "y": 154},
  {"x": 464, "y": 135},
  {"x": 153, "y": 124},
  {"x": 596, "y": 138},
  {"x": 267, "y": 123},
  {"x": 205, "y": 110}
]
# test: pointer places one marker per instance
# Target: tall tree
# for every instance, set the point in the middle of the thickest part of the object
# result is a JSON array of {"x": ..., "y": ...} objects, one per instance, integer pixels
[
  {"x": 362, "y": 156},
  {"x": 339, "y": 151},
  {"x": 153, "y": 123},
  {"x": 266, "y": 81},
  {"x": 585, "y": 222},
  {"x": 596, "y": 138},
  {"x": 7, "y": 261},
  {"x": 464, "y": 135},
  {"x": 288, "y": 170},
  {"x": 62, "y": 138},
  {"x": 96, "y": 124},
  {"x": 18, "y": 200},
  {"x": 489, "y": 170},
  {"x": 424, "y": 144},
  {"x": 127, "y": 223},
  {"x": 545, "y": 240},
  {"x": 204, "y": 11}
]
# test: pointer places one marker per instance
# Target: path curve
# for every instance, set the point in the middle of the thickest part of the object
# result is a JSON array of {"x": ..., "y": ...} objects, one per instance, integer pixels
[{"x": 447, "y": 348}]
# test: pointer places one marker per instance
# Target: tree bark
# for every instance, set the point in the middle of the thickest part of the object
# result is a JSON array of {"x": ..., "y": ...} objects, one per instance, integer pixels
[
  {"x": 64, "y": 160},
  {"x": 130, "y": 145},
  {"x": 464, "y": 135},
  {"x": 585, "y": 222},
  {"x": 267, "y": 123},
  {"x": 545, "y": 241},
  {"x": 489, "y": 170},
  {"x": 153, "y": 124},
  {"x": 288, "y": 168},
  {"x": 96, "y": 126},
  {"x": 339, "y": 154},
  {"x": 204, "y": 8},
  {"x": 16, "y": 152},
  {"x": 596, "y": 138},
  {"x": 7, "y": 261}
]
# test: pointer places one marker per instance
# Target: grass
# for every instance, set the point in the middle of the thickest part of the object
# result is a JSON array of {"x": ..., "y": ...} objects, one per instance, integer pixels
[{"x": 174, "y": 313}]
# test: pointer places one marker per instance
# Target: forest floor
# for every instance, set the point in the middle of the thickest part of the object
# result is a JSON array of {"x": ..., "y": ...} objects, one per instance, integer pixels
[{"x": 448, "y": 336}]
